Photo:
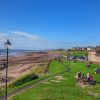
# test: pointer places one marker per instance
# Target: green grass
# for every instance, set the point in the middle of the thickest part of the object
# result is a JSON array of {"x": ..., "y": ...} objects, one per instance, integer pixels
[
  {"x": 13, "y": 88},
  {"x": 64, "y": 90},
  {"x": 56, "y": 67},
  {"x": 79, "y": 53}
]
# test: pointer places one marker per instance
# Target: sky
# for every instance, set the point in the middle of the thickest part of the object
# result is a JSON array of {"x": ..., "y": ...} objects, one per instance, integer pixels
[{"x": 49, "y": 24}]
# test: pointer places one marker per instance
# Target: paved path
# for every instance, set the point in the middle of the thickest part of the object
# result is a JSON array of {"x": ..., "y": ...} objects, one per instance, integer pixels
[{"x": 29, "y": 86}]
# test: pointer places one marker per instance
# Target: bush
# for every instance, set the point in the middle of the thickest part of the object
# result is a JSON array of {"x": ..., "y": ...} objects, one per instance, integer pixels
[{"x": 25, "y": 79}]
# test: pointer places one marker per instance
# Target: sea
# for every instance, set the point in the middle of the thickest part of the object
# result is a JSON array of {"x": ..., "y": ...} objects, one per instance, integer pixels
[{"x": 16, "y": 53}]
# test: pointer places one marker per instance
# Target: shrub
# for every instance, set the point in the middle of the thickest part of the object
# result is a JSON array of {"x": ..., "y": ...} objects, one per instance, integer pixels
[{"x": 25, "y": 79}]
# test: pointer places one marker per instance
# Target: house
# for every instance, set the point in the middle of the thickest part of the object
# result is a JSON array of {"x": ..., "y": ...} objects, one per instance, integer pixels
[
  {"x": 90, "y": 48},
  {"x": 94, "y": 55}
]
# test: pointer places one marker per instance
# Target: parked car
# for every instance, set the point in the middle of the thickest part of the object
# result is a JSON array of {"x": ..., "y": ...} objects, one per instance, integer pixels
[{"x": 77, "y": 58}]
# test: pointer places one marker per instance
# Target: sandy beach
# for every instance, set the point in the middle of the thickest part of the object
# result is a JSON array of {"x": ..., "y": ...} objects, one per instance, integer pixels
[{"x": 23, "y": 64}]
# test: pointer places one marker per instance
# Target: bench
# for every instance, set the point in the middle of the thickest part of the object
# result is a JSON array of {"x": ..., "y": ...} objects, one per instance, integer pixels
[
  {"x": 97, "y": 71},
  {"x": 92, "y": 82}
]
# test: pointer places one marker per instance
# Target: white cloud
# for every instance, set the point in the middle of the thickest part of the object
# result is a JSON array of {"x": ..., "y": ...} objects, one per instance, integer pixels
[
  {"x": 24, "y": 40},
  {"x": 25, "y": 35},
  {"x": 20, "y": 40},
  {"x": 3, "y": 37}
]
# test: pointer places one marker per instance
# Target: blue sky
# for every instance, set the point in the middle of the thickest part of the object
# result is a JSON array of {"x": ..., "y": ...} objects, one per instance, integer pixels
[{"x": 48, "y": 24}]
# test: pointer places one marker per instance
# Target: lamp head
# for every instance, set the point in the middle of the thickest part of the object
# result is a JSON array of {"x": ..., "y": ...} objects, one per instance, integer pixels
[{"x": 7, "y": 44}]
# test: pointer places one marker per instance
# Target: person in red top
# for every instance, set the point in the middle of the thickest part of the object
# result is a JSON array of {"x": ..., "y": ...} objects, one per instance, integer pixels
[{"x": 91, "y": 78}]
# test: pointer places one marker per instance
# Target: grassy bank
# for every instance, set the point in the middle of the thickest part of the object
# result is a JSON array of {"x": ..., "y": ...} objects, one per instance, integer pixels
[{"x": 27, "y": 79}]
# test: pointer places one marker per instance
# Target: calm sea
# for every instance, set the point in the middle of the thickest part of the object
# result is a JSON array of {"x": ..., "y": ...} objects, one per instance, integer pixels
[{"x": 16, "y": 52}]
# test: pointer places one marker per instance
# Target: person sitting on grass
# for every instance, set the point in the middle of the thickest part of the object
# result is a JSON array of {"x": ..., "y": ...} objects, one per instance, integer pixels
[
  {"x": 78, "y": 76},
  {"x": 83, "y": 79},
  {"x": 90, "y": 80},
  {"x": 89, "y": 77}
]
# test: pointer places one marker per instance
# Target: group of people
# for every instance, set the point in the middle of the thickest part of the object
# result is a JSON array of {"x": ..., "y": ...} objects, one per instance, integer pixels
[{"x": 80, "y": 77}]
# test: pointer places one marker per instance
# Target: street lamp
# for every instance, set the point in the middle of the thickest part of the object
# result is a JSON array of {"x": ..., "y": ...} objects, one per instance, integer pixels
[
  {"x": 7, "y": 44},
  {"x": 68, "y": 59}
]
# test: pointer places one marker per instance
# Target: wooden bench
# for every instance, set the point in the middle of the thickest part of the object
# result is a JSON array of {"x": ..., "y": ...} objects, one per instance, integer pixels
[{"x": 97, "y": 71}]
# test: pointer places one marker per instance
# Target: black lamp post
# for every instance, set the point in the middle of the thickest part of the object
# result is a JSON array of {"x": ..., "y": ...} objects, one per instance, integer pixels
[
  {"x": 7, "y": 44},
  {"x": 68, "y": 59}
]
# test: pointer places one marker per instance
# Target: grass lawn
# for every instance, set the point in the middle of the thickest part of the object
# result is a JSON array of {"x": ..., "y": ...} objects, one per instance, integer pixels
[
  {"x": 78, "y": 53},
  {"x": 63, "y": 89}
]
